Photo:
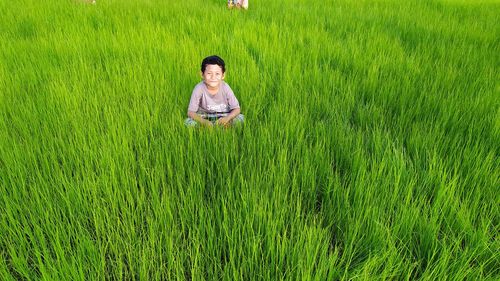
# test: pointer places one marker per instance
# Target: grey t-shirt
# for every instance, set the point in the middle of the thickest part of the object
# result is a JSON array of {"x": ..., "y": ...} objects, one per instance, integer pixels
[{"x": 204, "y": 102}]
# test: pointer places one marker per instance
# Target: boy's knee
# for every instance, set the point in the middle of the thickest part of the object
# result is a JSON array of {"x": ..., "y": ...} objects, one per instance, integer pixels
[
  {"x": 239, "y": 119},
  {"x": 190, "y": 122}
]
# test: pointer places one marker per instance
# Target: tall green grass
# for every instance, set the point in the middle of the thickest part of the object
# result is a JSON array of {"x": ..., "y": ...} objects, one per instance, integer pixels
[{"x": 370, "y": 149}]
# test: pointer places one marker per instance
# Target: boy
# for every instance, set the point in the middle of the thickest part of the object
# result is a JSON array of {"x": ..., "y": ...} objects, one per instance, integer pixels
[{"x": 212, "y": 101}]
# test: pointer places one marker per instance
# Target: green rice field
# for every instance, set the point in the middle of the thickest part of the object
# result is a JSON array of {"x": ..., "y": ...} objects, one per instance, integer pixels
[{"x": 370, "y": 149}]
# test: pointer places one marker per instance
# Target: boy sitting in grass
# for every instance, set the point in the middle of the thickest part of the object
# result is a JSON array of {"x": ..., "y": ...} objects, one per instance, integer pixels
[{"x": 212, "y": 101}]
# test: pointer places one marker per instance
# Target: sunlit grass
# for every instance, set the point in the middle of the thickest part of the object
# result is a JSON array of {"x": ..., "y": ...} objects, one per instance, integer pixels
[{"x": 370, "y": 149}]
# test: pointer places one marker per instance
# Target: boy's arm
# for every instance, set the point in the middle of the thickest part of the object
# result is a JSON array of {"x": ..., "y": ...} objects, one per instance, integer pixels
[
  {"x": 194, "y": 105},
  {"x": 233, "y": 103},
  {"x": 235, "y": 112}
]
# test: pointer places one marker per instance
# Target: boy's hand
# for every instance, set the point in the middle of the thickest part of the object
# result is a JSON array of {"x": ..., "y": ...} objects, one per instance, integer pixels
[
  {"x": 224, "y": 121},
  {"x": 207, "y": 123}
]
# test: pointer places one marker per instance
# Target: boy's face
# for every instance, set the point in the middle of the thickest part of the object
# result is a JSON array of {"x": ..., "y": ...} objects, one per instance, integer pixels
[{"x": 212, "y": 76}]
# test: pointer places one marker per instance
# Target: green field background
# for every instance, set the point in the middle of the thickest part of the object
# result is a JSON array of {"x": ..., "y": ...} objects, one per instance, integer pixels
[{"x": 370, "y": 149}]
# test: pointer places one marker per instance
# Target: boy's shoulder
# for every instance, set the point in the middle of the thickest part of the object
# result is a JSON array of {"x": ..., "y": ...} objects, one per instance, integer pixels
[
  {"x": 225, "y": 86},
  {"x": 199, "y": 88},
  {"x": 200, "y": 85}
]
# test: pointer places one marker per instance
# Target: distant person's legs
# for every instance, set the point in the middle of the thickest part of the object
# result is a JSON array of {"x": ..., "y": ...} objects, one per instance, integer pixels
[
  {"x": 86, "y": 1},
  {"x": 244, "y": 4}
]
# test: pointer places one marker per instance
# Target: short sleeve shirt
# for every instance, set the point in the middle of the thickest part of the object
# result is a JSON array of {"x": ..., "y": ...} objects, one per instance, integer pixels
[{"x": 204, "y": 102}]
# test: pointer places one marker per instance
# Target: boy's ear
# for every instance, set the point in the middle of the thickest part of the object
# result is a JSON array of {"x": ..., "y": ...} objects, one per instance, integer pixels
[
  {"x": 201, "y": 74},
  {"x": 223, "y": 75}
]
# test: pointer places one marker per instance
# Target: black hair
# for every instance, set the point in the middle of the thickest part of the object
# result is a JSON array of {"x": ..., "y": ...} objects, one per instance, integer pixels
[{"x": 213, "y": 60}]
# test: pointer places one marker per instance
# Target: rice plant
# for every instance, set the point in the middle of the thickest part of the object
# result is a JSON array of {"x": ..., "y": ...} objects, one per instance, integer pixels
[{"x": 370, "y": 149}]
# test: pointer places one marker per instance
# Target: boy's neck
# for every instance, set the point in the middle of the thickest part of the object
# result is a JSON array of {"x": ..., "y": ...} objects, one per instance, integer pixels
[{"x": 212, "y": 90}]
